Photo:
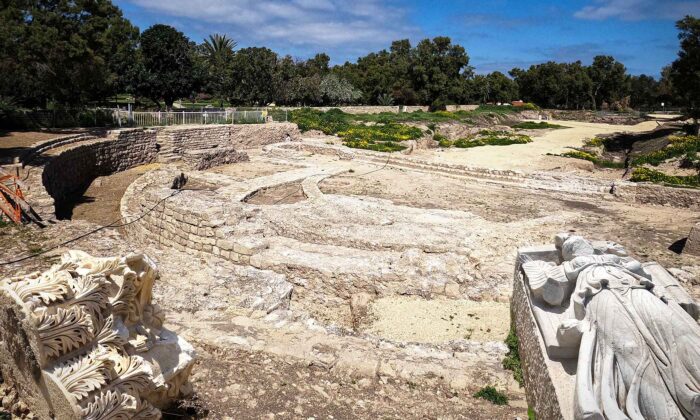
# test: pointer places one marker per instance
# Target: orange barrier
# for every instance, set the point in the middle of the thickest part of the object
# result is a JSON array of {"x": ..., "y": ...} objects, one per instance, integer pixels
[{"x": 10, "y": 198}]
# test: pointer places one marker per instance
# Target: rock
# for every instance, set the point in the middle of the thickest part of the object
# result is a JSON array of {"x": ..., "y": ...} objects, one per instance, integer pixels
[
  {"x": 692, "y": 244},
  {"x": 359, "y": 307}
]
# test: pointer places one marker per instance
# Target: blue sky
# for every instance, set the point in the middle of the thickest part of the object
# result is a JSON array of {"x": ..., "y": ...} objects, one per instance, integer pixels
[{"x": 497, "y": 34}]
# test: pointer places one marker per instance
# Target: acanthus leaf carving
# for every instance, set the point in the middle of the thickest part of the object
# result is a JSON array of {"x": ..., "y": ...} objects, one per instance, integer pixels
[
  {"x": 49, "y": 289},
  {"x": 82, "y": 376},
  {"x": 111, "y": 405},
  {"x": 64, "y": 331},
  {"x": 133, "y": 375}
]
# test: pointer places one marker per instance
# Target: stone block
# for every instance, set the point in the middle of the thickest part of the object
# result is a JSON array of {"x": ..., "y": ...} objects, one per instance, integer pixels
[
  {"x": 250, "y": 245},
  {"x": 692, "y": 244}
]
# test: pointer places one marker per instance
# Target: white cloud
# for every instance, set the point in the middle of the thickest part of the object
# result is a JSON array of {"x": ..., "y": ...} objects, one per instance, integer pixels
[
  {"x": 333, "y": 24},
  {"x": 638, "y": 9}
]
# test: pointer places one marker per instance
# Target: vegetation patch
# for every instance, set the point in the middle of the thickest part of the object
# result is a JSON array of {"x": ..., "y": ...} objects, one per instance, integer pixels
[
  {"x": 489, "y": 393},
  {"x": 579, "y": 154},
  {"x": 512, "y": 360},
  {"x": 381, "y": 137},
  {"x": 531, "y": 125},
  {"x": 493, "y": 138},
  {"x": 651, "y": 175},
  {"x": 678, "y": 146}
]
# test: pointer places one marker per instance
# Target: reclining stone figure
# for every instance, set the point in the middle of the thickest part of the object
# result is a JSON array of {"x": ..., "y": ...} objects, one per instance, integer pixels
[{"x": 638, "y": 349}]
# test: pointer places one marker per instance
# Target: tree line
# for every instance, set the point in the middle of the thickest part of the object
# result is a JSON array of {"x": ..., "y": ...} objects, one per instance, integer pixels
[{"x": 59, "y": 53}]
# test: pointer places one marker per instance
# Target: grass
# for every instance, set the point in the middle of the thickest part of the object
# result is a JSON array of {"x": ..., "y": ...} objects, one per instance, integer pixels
[
  {"x": 579, "y": 154},
  {"x": 492, "y": 138},
  {"x": 381, "y": 137},
  {"x": 657, "y": 177},
  {"x": 530, "y": 414},
  {"x": 489, "y": 393},
  {"x": 512, "y": 360},
  {"x": 531, "y": 125}
]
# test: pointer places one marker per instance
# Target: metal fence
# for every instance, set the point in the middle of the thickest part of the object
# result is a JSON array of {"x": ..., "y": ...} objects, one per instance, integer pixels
[{"x": 163, "y": 118}]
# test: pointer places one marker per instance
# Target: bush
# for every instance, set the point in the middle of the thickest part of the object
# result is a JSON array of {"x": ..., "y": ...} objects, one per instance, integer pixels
[
  {"x": 678, "y": 146},
  {"x": 512, "y": 360},
  {"x": 531, "y": 125},
  {"x": 489, "y": 393},
  {"x": 651, "y": 175},
  {"x": 492, "y": 138},
  {"x": 579, "y": 154}
]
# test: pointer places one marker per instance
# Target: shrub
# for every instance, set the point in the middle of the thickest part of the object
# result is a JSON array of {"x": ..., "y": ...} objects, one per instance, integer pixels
[
  {"x": 493, "y": 138},
  {"x": 531, "y": 125},
  {"x": 678, "y": 146},
  {"x": 489, "y": 393},
  {"x": 579, "y": 154},
  {"x": 512, "y": 360},
  {"x": 594, "y": 142},
  {"x": 651, "y": 175}
]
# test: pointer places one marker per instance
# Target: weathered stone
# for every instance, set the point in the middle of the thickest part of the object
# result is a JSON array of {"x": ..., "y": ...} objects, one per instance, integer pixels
[
  {"x": 692, "y": 244},
  {"x": 84, "y": 340},
  {"x": 572, "y": 337}
]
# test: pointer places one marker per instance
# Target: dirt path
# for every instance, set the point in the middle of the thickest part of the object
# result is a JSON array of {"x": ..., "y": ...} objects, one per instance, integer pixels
[{"x": 532, "y": 156}]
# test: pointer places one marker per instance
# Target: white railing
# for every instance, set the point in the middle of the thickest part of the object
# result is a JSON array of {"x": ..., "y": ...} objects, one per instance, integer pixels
[{"x": 163, "y": 118}]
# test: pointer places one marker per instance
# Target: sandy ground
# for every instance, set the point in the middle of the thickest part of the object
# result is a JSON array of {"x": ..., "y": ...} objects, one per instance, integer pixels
[
  {"x": 412, "y": 319},
  {"x": 531, "y": 156},
  {"x": 100, "y": 203}
]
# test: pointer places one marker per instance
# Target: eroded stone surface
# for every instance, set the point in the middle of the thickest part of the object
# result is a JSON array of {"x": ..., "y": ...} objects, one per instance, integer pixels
[{"x": 83, "y": 340}]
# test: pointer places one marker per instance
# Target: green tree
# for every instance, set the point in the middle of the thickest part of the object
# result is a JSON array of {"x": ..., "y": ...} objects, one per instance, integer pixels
[
  {"x": 644, "y": 91},
  {"x": 219, "y": 46},
  {"x": 609, "y": 79},
  {"x": 437, "y": 64},
  {"x": 685, "y": 71},
  {"x": 252, "y": 73},
  {"x": 168, "y": 66},
  {"x": 217, "y": 52},
  {"x": 63, "y": 52}
]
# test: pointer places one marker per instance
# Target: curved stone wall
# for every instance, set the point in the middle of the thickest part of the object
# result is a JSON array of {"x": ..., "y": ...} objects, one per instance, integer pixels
[{"x": 70, "y": 172}]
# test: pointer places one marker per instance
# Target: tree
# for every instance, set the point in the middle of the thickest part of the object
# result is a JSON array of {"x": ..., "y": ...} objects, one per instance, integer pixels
[
  {"x": 63, "y": 52},
  {"x": 500, "y": 88},
  {"x": 685, "y": 71},
  {"x": 337, "y": 91},
  {"x": 609, "y": 79},
  {"x": 644, "y": 91},
  {"x": 168, "y": 66},
  {"x": 219, "y": 47},
  {"x": 217, "y": 52},
  {"x": 436, "y": 65},
  {"x": 252, "y": 72}
]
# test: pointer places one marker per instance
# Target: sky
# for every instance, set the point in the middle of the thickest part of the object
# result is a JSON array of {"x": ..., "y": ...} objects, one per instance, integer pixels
[{"x": 497, "y": 34}]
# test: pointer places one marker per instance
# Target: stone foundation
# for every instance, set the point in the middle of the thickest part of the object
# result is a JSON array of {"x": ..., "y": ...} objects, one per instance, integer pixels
[
  {"x": 207, "y": 158},
  {"x": 174, "y": 141},
  {"x": 70, "y": 172}
]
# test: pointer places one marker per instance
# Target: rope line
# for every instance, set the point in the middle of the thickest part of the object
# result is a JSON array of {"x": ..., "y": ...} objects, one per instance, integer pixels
[{"x": 149, "y": 211}]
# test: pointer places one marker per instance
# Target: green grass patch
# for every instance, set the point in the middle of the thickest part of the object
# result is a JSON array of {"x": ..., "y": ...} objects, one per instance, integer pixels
[
  {"x": 492, "y": 138},
  {"x": 530, "y": 414},
  {"x": 678, "y": 146},
  {"x": 489, "y": 393},
  {"x": 651, "y": 175},
  {"x": 512, "y": 360},
  {"x": 579, "y": 154},
  {"x": 531, "y": 125},
  {"x": 594, "y": 142},
  {"x": 381, "y": 137}
]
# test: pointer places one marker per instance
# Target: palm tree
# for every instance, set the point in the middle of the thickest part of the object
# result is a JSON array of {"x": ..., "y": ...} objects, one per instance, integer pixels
[{"x": 219, "y": 45}]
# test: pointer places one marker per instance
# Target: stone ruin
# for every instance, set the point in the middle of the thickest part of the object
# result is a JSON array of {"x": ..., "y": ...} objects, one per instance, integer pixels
[
  {"x": 83, "y": 340},
  {"x": 603, "y": 335}
]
